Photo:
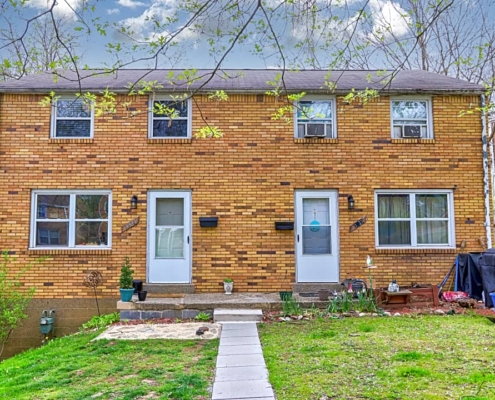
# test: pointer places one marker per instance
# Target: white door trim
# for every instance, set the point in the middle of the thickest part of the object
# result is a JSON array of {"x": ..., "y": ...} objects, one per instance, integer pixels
[
  {"x": 169, "y": 270},
  {"x": 315, "y": 267}
]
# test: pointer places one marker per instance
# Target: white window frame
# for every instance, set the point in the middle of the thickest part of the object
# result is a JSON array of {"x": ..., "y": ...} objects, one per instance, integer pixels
[
  {"x": 412, "y": 204},
  {"x": 429, "y": 116},
  {"x": 151, "y": 118},
  {"x": 330, "y": 99},
  {"x": 53, "y": 125},
  {"x": 71, "y": 219}
]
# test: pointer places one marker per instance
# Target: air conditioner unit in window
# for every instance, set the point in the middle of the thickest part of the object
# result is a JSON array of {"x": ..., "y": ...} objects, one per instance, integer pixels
[
  {"x": 315, "y": 130},
  {"x": 411, "y": 131}
]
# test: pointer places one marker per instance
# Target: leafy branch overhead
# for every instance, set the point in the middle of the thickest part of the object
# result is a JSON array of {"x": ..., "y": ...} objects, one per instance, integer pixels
[{"x": 455, "y": 38}]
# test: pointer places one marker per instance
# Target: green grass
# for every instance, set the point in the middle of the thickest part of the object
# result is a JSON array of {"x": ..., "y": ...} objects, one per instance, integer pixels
[
  {"x": 75, "y": 368},
  {"x": 427, "y": 357}
]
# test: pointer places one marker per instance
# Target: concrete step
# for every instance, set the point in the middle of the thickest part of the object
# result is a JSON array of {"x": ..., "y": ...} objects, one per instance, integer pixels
[
  {"x": 236, "y": 315},
  {"x": 155, "y": 289},
  {"x": 314, "y": 287}
]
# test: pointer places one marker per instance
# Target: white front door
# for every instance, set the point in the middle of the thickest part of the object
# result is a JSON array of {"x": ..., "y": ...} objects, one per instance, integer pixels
[
  {"x": 317, "y": 245},
  {"x": 169, "y": 237}
]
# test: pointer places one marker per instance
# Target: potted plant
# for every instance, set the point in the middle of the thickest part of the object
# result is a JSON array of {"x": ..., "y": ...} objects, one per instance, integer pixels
[
  {"x": 125, "y": 283},
  {"x": 228, "y": 285}
]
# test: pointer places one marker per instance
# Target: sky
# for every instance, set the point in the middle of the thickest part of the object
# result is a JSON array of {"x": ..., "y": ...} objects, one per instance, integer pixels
[{"x": 388, "y": 18}]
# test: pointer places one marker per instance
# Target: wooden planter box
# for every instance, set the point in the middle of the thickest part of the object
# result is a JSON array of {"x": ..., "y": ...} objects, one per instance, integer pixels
[{"x": 417, "y": 297}]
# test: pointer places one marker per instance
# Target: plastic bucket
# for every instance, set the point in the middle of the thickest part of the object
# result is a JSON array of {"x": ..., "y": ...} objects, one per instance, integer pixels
[{"x": 492, "y": 295}]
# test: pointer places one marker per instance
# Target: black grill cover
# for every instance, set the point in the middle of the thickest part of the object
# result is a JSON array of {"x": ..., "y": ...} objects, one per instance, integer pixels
[
  {"x": 487, "y": 271},
  {"x": 469, "y": 278}
]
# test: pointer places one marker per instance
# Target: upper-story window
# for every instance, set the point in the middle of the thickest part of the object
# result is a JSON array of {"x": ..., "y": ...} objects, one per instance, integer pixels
[
  {"x": 170, "y": 119},
  {"x": 71, "y": 219},
  {"x": 72, "y": 118},
  {"x": 411, "y": 118},
  {"x": 315, "y": 118},
  {"x": 414, "y": 218}
]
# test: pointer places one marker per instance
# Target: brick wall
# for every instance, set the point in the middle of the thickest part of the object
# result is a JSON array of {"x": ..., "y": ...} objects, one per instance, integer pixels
[{"x": 247, "y": 178}]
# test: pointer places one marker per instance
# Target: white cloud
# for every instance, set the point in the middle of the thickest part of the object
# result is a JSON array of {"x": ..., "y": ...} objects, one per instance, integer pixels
[
  {"x": 131, "y": 3},
  {"x": 389, "y": 19},
  {"x": 142, "y": 25},
  {"x": 113, "y": 11},
  {"x": 63, "y": 8}
]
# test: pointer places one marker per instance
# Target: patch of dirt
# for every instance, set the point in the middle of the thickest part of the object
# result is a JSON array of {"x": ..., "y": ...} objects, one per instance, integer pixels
[{"x": 444, "y": 308}]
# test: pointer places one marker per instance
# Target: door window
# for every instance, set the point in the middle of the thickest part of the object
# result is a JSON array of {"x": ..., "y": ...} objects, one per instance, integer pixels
[
  {"x": 169, "y": 228},
  {"x": 316, "y": 228}
]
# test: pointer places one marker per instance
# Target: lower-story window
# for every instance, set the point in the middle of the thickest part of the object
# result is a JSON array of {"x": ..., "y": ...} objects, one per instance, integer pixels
[
  {"x": 71, "y": 219},
  {"x": 414, "y": 218}
]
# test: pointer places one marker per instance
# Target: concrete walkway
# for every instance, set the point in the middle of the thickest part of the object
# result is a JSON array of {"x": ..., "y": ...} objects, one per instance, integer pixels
[{"x": 241, "y": 371}]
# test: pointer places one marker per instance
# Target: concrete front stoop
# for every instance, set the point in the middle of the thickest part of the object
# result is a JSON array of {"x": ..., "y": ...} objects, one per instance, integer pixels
[
  {"x": 236, "y": 315},
  {"x": 188, "y": 305},
  {"x": 314, "y": 287}
]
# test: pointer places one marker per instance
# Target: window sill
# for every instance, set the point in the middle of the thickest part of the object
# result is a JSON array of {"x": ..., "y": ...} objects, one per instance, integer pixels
[
  {"x": 74, "y": 140},
  {"x": 449, "y": 250},
  {"x": 170, "y": 141},
  {"x": 71, "y": 251},
  {"x": 315, "y": 140},
  {"x": 414, "y": 141}
]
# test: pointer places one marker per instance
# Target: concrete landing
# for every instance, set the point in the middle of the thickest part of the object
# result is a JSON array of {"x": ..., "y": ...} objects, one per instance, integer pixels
[
  {"x": 314, "y": 287},
  {"x": 237, "y": 315},
  {"x": 189, "y": 305},
  {"x": 241, "y": 371}
]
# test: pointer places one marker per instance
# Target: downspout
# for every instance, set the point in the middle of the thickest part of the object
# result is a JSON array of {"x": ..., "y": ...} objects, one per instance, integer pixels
[
  {"x": 492, "y": 169},
  {"x": 486, "y": 186}
]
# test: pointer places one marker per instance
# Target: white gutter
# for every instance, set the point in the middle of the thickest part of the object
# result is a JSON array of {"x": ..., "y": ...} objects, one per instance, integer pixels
[{"x": 486, "y": 186}]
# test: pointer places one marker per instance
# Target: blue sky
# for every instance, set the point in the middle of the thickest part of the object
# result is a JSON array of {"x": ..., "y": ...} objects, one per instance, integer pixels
[{"x": 387, "y": 15}]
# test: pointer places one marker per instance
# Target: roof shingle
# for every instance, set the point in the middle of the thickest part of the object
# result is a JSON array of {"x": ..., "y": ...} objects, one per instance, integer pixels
[{"x": 247, "y": 80}]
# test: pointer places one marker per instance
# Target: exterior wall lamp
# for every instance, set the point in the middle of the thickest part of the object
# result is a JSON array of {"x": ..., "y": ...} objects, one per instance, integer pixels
[
  {"x": 350, "y": 202},
  {"x": 134, "y": 201}
]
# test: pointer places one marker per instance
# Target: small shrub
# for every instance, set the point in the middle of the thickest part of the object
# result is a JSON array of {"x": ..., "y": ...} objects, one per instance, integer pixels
[
  {"x": 203, "y": 316},
  {"x": 14, "y": 299},
  {"x": 291, "y": 307},
  {"x": 366, "y": 302},
  {"x": 101, "y": 321},
  {"x": 126, "y": 274},
  {"x": 345, "y": 302}
]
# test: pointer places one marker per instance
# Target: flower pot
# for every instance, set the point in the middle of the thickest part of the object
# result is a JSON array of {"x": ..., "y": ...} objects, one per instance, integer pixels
[
  {"x": 285, "y": 295},
  {"x": 137, "y": 285},
  {"x": 323, "y": 294},
  {"x": 126, "y": 294},
  {"x": 142, "y": 295},
  {"x": 228, "y": 286}
]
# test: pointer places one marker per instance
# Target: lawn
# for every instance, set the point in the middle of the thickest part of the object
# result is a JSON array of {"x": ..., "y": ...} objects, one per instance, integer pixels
[
  {"x": 415, "y": 357},
  {"x": 75, "y": 368}
]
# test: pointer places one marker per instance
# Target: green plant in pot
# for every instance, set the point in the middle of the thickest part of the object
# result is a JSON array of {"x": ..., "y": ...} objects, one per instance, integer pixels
[
  {"x": 228, "y": 285},
  {"x": 125, "y": 283}
]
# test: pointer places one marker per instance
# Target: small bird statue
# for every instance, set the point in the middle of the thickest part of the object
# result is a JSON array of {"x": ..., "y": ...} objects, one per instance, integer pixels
[{"x": 369, "y": 261}]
